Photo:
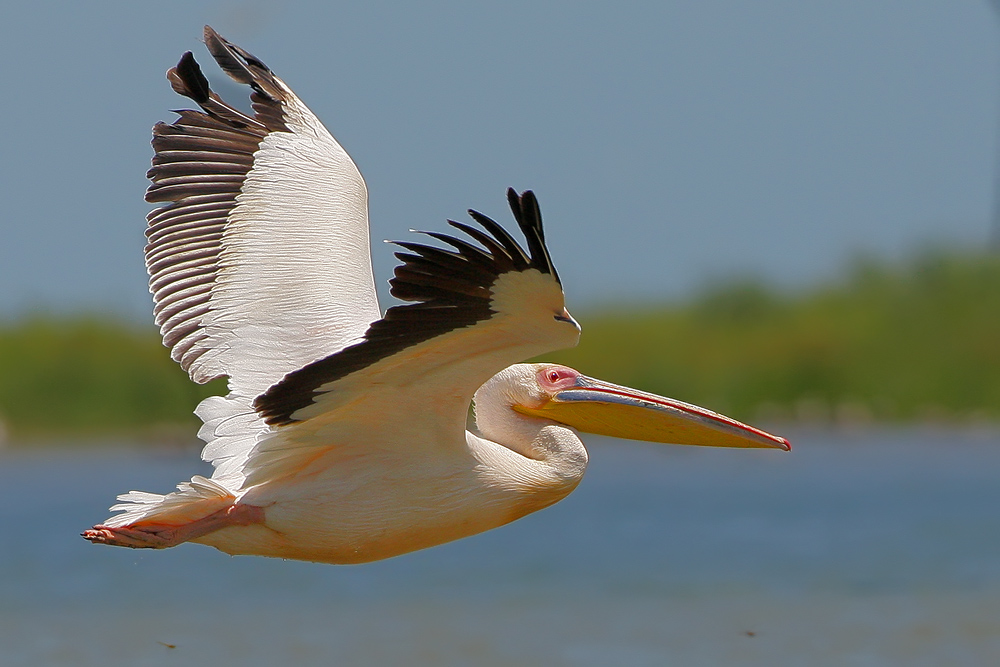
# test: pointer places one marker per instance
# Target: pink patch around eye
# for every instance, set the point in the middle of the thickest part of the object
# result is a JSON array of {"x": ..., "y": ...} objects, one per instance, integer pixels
[{"x": 559, "y": 375}]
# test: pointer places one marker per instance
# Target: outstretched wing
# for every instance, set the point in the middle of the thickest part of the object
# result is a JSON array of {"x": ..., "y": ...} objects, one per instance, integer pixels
[
  {"x": 475, "y": 309},
  {"x": 259, "y": 262}
]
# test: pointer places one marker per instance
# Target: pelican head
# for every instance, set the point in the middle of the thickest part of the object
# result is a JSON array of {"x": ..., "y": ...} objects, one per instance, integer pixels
[{"x": 563, "y": 395}]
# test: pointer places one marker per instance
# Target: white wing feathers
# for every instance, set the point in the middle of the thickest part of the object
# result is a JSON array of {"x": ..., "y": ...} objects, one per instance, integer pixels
[
  {"x": 286, "y": 277},
  {"x": 428, "y": 386},
  {"x": 474, "y": 311},
  {"x": 259, "y": 260},
  {"x": 260, "y": 269}
]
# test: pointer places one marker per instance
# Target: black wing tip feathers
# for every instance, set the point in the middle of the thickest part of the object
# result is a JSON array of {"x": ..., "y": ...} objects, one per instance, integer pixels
[
  {"x": 217, "y": 43},
  {"x": 187, "y": 79},
  {"x": 528, "y": 215},
  {"x": 447, "y": 289},
  {"x": 526, "y": 211},
  {"x": 241, "y": 65},
  {"x": 200, "y": 165},
  {"x": 210, "y": 34},
  {"x": 499, "y": 249},
  {"x": 268, "y": 97}
]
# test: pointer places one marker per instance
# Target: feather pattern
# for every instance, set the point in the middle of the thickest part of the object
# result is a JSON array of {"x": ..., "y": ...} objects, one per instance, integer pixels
[
  {"x": 258, "y": 256},
  {"x": 260, "y": 270},
  {"x": 343, "y": 437},
  {"x": 253, "y": 260},
  {"x": 449, "y": 289}
]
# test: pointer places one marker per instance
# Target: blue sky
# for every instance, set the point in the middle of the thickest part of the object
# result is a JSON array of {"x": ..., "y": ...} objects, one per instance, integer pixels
[{"x": 670, "y": 143}]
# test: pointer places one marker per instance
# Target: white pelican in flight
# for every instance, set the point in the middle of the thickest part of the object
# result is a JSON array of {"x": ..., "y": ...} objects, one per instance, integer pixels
[{"x": 343, "y": 437}]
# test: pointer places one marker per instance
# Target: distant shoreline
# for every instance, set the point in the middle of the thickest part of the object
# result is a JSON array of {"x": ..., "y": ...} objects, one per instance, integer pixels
[{"x": 909, "y": 343}]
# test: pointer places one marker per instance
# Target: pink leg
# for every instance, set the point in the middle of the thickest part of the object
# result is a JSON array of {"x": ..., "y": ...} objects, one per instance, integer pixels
[{"x": 161, "y": 535}]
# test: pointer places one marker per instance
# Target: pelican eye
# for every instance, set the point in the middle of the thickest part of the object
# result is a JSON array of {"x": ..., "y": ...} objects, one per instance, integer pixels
[{"x": 557, "y": 375}]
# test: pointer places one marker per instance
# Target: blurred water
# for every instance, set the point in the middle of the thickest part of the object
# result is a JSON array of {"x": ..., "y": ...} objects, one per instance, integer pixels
[{"x": 874, "y": 549}]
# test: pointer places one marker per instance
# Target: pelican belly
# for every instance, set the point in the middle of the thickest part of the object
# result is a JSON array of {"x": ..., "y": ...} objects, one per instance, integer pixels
[{"x": 370, "y": 507}]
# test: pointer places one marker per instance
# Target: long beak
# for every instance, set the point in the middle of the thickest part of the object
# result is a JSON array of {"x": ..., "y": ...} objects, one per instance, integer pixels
[{"x": 595, "y": 406}]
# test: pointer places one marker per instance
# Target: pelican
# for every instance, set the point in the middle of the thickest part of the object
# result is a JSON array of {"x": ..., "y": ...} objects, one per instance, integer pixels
[{"x": 343, "y": 436}]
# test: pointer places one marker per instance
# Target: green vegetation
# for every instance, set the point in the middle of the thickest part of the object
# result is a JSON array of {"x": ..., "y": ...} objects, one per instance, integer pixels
[
  {"x": 92, "y": 377},
  {"x": 913, "y": 342},
  {"x": 893, "y": 343}
]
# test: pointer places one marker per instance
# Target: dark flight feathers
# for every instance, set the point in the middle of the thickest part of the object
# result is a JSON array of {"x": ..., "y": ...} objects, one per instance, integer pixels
[{"x": 449, "y": 289}]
